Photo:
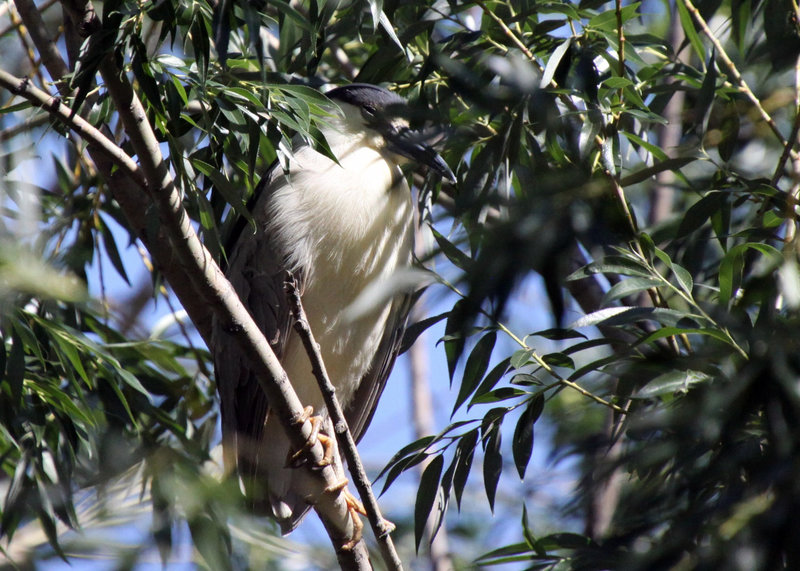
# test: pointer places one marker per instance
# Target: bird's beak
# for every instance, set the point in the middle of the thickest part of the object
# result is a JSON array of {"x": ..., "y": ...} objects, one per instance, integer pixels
[{"x": 410, "y": 144}]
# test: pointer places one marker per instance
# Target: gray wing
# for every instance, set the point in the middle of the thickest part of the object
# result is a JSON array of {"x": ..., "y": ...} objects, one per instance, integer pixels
[
  {"x": 361, "y": 408},
  {"x": 257, "y": 271}
]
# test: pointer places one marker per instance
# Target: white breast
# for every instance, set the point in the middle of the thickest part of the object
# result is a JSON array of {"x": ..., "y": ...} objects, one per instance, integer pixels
[{"x": 346, "y": 233}]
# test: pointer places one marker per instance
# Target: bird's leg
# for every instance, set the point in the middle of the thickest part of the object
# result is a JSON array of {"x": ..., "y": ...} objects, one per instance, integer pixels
[
  {"x": 297, "y": 457},
  {"x": 354, "y": 507}
]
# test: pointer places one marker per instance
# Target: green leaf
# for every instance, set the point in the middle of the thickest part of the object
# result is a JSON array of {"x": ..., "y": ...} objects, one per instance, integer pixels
[
  {"x": 394, "y": 470},
  {"x": 409, "y": 449},
  {"x": 699, "y": 212},
  {"x": 417, "y": 328},
  {"x": 454, "y": 338},
  {"x": 521, "y": 357},
  {"x": 466, "y": 452},
  {"x": 507, "y": 554},
  {"x": 522, "y": 445},
  {"x": 111, "y": 249},
  {"x": 629, "y": 286},
  {"x": 682, "y": 275},
  {"x": 685, "y": 280},
  {"x": 451, "y": 251},
  {"x": 558, "y": 360},
  {"x": 691, "y": 32},
  {"x": 554, "y": 61},
  {"x": 477, "y": 363},
  {"x": 707, "y": 93},
  {"x": 670, "y": 383},
  {"x": 625, "y": 315},
  {"x": 655, "y": 150},
  {"x": 69, "y": 350},
  {"x": 22, "y": 106},
  {"x": 732, "y": 265},
  {"x": 559, "y": 334},
  {"x": 608, "y": 20},
  {"x": 491, "y": 379},
  {"x": 428, "y": 489},
  {"x": 729, "y": 130},
  {"x": 498, "y": 395},
  {"x": 671, "y": 331},
  {"x": 564, "y": 541},
  {"x": 15, "y": 366},
  {"x": 492, "y": 464},
  {"x": 612, "y": 265},
  {"x": 616, "y": 82}
]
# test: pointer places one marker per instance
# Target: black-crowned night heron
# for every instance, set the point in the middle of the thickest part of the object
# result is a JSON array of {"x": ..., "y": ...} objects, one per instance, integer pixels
[{"x": 338, "y": 228}]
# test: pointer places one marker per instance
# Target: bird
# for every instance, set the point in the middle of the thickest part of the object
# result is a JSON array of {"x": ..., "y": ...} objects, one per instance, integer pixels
[{"x": 336, "y": 227}]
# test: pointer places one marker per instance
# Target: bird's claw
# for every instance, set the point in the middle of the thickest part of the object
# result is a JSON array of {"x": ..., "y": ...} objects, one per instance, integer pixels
[
  {"x": 354, "y": 507},
  {"x": 297, "y": 458}
]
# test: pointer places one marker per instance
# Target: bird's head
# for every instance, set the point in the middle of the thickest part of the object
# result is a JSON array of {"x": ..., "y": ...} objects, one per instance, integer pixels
[{"x": 383, "y": 117}]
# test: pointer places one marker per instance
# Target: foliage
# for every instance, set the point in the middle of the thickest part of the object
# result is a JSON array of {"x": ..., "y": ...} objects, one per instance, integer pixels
[{"x": 670, "y": 372}]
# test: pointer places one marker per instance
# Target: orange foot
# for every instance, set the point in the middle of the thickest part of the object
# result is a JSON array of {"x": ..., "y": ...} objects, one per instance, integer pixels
[
  {"x": 297, "y": 458},
  {"x": 354, "y": 507}
]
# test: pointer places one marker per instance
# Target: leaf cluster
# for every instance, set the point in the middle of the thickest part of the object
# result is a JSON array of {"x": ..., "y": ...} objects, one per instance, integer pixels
[{"x": 672, "y": 339}]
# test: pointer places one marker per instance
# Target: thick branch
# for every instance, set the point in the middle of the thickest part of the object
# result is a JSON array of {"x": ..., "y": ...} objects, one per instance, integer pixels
[
  {"x": 97, "y": 141},
  {"x": 381, "y": 527},
  {"x": 206, "y": 280},
  {"x": 217, "y": 291},
  {"x": 114, "y": 164}
]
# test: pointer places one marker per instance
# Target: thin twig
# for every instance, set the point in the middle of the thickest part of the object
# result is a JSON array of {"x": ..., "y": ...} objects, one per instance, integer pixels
[
  {"x": 506, "y": 30},
  {"x": 620, "y": 39},
  {"x": 787, "y": 149},
  {"x": 48, "y": 51},
  {"x": 381, "y": 527},
  {"x": 743, "y": 87}
]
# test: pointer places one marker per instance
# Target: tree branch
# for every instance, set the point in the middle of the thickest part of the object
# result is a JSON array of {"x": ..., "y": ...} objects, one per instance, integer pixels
[
  {"x": 216, "y": 290},
  {"x": 743, "y": 86},
  {"x": 125, "y": 185},
  {"x": 381, "y": 527},
  {"x": 205, "y": 278},
  {"x": 48, "y": 51},
  {"x": 97, "y": 141}
]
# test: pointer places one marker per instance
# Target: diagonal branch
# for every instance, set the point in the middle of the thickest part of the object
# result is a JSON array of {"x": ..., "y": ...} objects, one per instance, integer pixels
[
  {"x": 737, "y": 77},
  {"x": 217, "y": 291},
  {"x": 205, "y": 280},
  {"x": 125, "y": 185},
  {"x": 381, "y": 527},
  {"x": 97, "y": 141}
]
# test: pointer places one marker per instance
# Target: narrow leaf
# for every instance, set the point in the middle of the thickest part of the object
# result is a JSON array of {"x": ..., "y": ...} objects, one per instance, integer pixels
[
  {"x": 552, "y": 63},
  {"x": 628, "y": 287},
  {"x": 492, "y": 464},
  {"x": 522, "y": 446},
  {"x": 466, "y": 452},
  {"x": 688, "y": 27},
  {"x": 428, "y": 487},
  {"x": 671, "y": 382},
  {"x": 477, "y": 363}
]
